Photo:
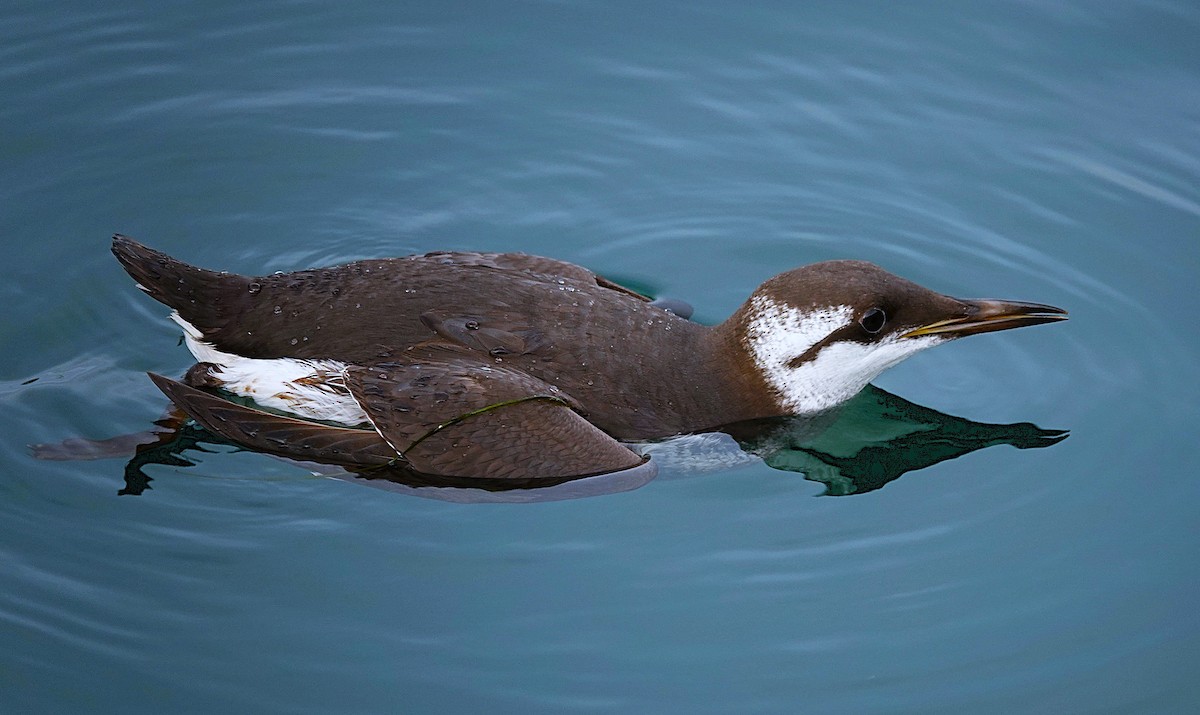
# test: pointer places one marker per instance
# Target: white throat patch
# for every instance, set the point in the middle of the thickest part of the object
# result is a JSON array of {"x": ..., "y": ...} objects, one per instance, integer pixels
[{"x": 778, "y": 333}]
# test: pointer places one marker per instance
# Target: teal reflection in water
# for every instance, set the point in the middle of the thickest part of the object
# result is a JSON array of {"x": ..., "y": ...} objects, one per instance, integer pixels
[{"x": 876, "y": 438}]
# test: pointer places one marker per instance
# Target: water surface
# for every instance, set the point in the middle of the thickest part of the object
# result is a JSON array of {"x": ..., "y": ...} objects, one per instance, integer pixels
[{"x": 1037, "y": 151}]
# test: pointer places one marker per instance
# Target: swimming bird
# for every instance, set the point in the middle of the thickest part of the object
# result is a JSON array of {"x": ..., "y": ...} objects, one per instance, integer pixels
[{"x": 512, "y": 366}]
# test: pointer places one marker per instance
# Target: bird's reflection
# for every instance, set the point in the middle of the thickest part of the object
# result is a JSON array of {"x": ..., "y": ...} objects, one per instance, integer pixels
[
  {"x": 868, "y": 442},
  {"x": 876, "y": 438}
]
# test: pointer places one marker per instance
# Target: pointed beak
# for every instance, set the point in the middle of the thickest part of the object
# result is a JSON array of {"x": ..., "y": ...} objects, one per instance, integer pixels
[{"x": 985, "y": 316}]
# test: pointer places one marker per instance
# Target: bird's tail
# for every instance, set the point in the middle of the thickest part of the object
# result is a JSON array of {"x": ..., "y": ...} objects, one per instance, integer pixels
[{"x": 195, "y": 293}]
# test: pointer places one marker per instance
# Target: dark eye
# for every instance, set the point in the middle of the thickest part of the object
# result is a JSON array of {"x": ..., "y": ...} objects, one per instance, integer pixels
[{"x": 873, "y": 320}]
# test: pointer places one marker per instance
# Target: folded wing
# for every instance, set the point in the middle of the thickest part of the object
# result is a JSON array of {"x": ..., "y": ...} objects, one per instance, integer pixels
[
  {"x": 461, "y": 416},
  {"x": 453, "y": 416}
]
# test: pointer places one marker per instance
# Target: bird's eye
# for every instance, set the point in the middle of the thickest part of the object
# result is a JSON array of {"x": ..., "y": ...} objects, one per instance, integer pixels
[{"x": 873, "y": 320}]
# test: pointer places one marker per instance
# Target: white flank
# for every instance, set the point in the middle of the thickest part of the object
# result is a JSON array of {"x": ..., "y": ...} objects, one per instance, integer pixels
[
  {"x": 778, "y": 333},
  {"x": 312, "y": 389}
]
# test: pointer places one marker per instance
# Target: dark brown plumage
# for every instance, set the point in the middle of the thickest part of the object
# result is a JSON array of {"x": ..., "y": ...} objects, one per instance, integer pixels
[
  {"x": 551, "y": 320},
  {"x": 509, "y": 366}
]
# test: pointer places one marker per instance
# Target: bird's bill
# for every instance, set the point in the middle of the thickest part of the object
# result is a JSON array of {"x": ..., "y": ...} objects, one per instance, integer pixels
[{"x": 985, "y": 316}]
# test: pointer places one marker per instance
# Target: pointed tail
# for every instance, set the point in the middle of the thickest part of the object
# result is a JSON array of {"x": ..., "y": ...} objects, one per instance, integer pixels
[{"x": 197, "y": 294}]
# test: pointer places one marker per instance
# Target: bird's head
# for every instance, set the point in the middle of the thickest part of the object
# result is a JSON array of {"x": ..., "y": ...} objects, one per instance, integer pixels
[{"x": 818, "y": 334}]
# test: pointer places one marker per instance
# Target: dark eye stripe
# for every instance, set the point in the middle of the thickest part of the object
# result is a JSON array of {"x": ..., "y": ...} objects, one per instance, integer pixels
[{"x": 845, "y": 332}]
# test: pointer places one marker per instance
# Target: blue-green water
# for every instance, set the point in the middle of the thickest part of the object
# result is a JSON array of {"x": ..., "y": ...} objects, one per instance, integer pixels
[{"x": 1038, "y": 151}]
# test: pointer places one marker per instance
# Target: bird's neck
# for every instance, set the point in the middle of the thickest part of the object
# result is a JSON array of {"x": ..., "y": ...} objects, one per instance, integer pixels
[{"x": 743, "y": 390}]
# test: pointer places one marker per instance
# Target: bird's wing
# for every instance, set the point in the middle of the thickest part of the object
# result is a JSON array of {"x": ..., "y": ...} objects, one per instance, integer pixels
[
  {"x": 277, "y": 434},
  {"x": 461, "y": 416},
  {"x": 452, "y": 417}
]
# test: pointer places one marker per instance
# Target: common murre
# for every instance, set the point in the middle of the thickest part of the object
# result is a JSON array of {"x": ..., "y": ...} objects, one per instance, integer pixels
[{"x": 513, "y": 366}]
